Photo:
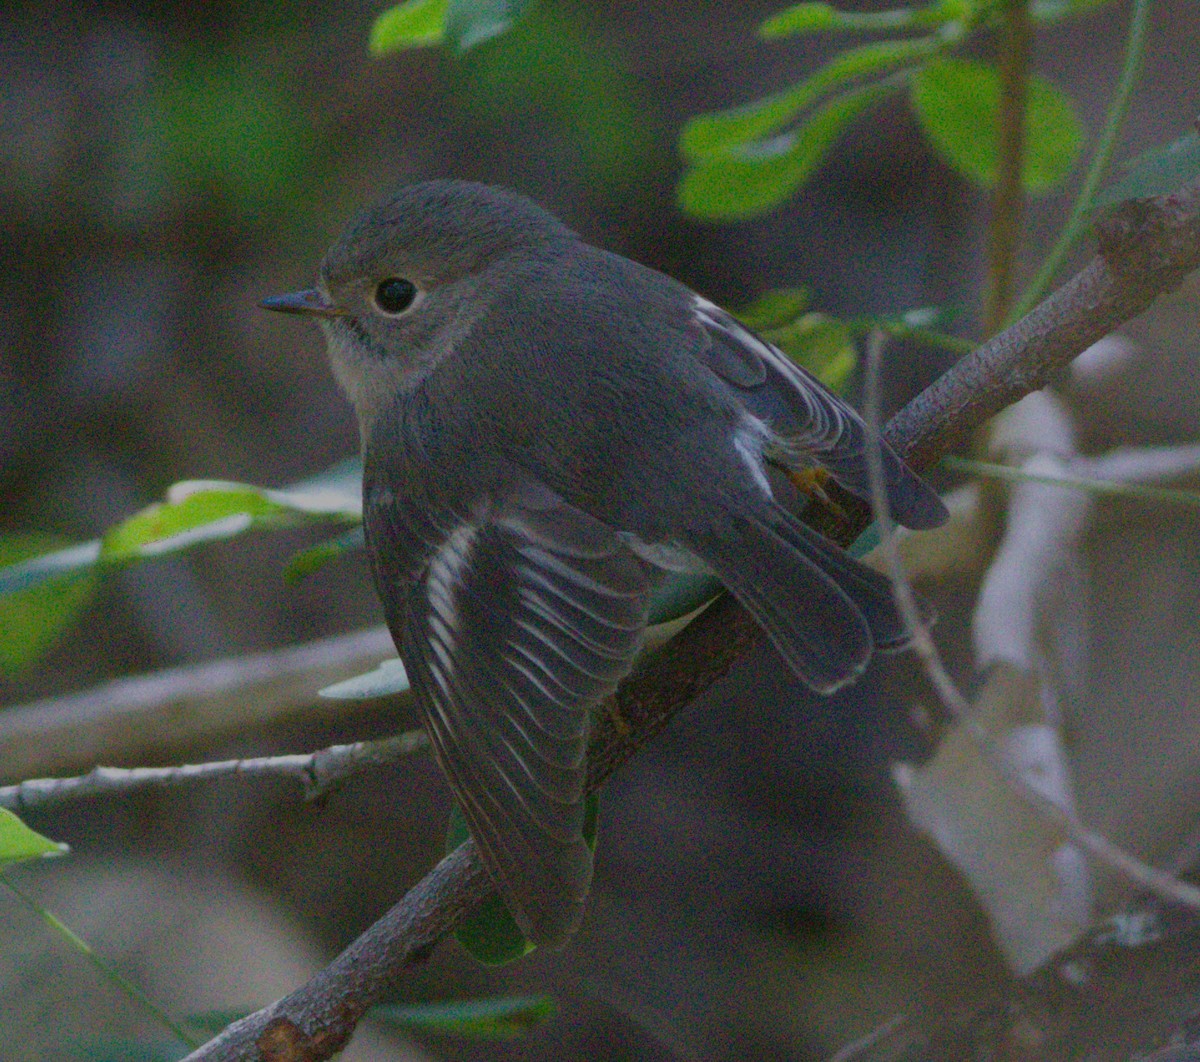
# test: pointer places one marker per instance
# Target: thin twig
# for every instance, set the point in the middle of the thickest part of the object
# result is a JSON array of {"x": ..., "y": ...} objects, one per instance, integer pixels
[
  {"x": 1135, "y": 50},
  {"x": 859, "y": 1047},
  {"x": 1164, "y": 886},
  {"x": 906, "y": 601},
  {"x": 317, "y": 772}
]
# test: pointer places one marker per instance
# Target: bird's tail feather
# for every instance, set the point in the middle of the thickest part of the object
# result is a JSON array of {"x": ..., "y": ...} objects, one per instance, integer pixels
[{"x": 823, "y": 610}]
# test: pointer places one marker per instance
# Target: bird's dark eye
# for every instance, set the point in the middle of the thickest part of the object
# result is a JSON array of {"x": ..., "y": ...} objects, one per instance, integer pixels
[{"x": 395, "y": 295}]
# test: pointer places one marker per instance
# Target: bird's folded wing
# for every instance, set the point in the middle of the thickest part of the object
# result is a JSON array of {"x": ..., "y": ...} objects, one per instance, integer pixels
[
  {"x": 526, "y": 613},
  {"x": 806, "y": 414}
]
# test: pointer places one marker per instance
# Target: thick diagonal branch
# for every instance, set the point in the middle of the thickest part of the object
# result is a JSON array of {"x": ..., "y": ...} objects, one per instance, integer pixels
[{"x": 1146, "y": 249}]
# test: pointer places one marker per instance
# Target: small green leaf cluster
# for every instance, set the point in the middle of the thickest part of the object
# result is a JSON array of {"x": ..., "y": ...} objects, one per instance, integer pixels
[{"x": 747, "y": 160}]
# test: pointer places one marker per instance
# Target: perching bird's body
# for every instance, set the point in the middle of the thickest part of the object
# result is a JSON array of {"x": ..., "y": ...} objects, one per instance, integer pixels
[{"x": 546, "y": 427}]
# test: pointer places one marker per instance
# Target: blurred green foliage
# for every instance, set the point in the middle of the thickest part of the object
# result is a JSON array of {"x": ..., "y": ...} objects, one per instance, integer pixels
[
  {"x": 32, "y": 617},
  {"x": 538, "y": 64},
  {"x": 743, "y": 162},
  {"x": 226, "y": 132}
]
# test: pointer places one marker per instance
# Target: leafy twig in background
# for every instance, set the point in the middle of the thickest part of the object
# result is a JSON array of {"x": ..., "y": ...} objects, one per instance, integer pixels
[
  {"x": 1075, "y": 227},
  {"x": 174, "y": 709}
]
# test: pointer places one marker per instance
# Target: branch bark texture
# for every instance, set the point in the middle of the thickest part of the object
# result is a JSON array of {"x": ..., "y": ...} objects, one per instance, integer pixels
[{"x": 1146, "y": 249}]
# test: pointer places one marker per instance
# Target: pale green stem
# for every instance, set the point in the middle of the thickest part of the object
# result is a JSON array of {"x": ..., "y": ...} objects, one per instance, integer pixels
[
  {"x": 110, "y": 974},
  {"x": 1101, "y": 487}
]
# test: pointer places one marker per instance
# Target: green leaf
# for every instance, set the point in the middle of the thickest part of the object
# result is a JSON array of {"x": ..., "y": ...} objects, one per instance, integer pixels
[
  {"x": 413, "y": 24},
  {"x": 812, "y": 17},
  {"x": 1156, "y": 172},
  {"x": 43, "y": 590},
  {"x": 387, "y": 679},
  {"x": 342, "y": 478},
  {"x": 929, "y": 316},
  {"x": 471, "y": 22},
  {"x": 957, "y": 103},
  {"x": 922, "y": 324},
  {"x": 490, "y": 934},
  {"x": 775, "y": 308},
  {"x": 750, "y": 180},
  {"x": 198, "y": 511},
  {"x": 867, "y": 541},
  {"x": 18, "y": 843},
  {"x": 25, "y": 574},
  {"x": 801, "y": 18},
  {"x": 307, "y": 561},
  {"x": 722, "y": 131},
  {"x": 506, "y": 1018},
  {"x": 822, "y": 344}
]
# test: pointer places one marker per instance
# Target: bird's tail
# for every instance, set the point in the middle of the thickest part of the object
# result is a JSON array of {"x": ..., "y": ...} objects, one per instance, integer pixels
[{"x": 824, "y": 611}]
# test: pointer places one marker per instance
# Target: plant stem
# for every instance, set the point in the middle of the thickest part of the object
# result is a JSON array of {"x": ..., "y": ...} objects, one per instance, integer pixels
[
  {"x": 1004, "y": 234},
  {"x": 106, "y": 969},
  {"x": 1135, "y": 51},
  {"x": 898, "y": 330},
  {"x": 1105, "y": 488}
]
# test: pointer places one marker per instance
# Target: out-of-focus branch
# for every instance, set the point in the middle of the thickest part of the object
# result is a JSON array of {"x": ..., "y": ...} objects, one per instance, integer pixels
[
  {"x": 126, "y": 719},
  {"x": 317, "y": 772},
  {"x": 1146, "y": 249}
]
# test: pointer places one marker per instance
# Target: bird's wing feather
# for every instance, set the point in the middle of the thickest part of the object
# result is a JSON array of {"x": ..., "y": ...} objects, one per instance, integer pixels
[
  {"x": 514, "y": 618},
  {"x": 813, "y": 423}
]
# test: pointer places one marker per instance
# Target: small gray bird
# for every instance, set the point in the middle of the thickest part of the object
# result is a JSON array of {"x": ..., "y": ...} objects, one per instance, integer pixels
[{"x": 547, "y": 428}]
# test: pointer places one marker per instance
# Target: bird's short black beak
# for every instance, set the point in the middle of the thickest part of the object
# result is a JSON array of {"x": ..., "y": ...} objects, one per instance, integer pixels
[{"x": 311, "y": 303}]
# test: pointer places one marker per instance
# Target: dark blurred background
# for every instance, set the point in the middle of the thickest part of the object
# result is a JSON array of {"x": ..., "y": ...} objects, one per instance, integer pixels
[{"x": 162, "y": 168}]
